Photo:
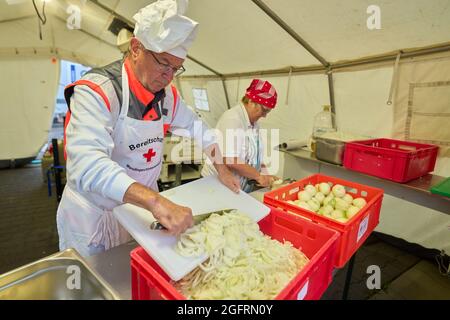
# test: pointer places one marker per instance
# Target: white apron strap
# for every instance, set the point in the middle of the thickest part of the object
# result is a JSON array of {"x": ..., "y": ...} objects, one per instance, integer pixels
[{"x": 125, "y": 103}]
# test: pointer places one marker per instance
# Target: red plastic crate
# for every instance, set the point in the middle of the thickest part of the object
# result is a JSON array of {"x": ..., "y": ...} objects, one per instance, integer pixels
[
  {"x": 396, "y": 160},
  {"x": 318, "y": 243},
  {"x": 354, "y": 232}
]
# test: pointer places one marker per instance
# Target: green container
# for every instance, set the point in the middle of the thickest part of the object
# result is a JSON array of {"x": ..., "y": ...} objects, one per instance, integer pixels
[{"x": 442, "y": 188}]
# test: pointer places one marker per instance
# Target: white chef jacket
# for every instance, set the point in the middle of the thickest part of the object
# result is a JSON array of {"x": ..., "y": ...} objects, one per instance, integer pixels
[{"x": 89, "y": 144}]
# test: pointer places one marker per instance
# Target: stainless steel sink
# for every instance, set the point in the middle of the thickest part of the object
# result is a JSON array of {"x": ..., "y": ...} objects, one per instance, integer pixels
[{"x": 62, "y": 276}]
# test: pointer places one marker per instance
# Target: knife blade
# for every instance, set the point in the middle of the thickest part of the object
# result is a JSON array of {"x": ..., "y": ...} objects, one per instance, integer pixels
[{"x": 156, "y": 225}]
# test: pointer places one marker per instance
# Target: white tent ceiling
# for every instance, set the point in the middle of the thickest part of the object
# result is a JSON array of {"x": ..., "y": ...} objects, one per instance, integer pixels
[
  {"x": 338, "y": 30},
  {"x": 19, "y": 34},
  {"x": 236, "y": 35}
]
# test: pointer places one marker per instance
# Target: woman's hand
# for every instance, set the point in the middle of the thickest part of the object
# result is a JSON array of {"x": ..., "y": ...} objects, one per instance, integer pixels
[
  {"x": 228, "y": 178},
  {"x": 266, "y": 180}
]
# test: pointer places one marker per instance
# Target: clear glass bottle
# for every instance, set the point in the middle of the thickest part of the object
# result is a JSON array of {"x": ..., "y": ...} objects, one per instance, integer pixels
[{"x": 323, "y": 123}]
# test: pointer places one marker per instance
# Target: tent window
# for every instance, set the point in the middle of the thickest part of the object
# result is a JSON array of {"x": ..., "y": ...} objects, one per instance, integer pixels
[
  {"x": 70, "y": 72},
  {"x": 200, "y": 99}
]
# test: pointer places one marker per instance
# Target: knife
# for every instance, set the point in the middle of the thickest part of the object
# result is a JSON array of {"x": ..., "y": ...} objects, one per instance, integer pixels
[{"x": 156, "y": 225}]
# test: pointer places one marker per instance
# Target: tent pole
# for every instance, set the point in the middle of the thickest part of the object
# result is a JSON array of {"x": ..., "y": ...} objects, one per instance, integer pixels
[
  {"x": 226, "y": 92},
  {"x": 331, "y": 90},
  {"x": 304, "y": 44},
  {"x": 222, "y": 78},
  {"x": 407, "y": 53},
  {"x": 392, "y": 56},
  {"x": 114, "y": 13},
  {"x": 279, "y": 72},
  {"x": 18, "y": 19},
  {"x": 205, "y": 66},
  {"x": 290, "y": 31}
]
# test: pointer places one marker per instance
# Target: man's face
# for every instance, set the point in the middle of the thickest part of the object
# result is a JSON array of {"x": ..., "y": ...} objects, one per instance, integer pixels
[
  {"x": 154, "y": 70},
  {"x": 258, "y": 111}
]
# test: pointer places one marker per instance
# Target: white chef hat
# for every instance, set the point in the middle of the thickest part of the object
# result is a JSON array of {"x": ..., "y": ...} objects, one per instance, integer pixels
[{"x": 162, "y": 27}]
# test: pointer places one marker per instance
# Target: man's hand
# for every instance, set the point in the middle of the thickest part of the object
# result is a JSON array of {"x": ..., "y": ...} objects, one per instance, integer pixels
[
  {"x": 172, "y": 216},
  {"x": 177, "y": 219},
  {"x": 228, "y": 178},
  {"x": 266, "y": 180}
]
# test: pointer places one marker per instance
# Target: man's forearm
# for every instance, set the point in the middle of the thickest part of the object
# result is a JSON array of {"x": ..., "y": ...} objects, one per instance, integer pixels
[{"x": 141, "y": 196}]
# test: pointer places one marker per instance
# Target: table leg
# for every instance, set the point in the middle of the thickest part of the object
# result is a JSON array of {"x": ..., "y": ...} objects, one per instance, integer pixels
[{"x": 348, "y": 277}]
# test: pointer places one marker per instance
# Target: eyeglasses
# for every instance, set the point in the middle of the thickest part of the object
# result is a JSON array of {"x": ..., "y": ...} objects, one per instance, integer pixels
[
  {"x": 165, "y": 67},
  {"x": 264, "y": 109}
]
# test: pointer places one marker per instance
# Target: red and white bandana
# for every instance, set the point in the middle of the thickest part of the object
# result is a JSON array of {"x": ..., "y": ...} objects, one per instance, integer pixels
[{"x": 262, "y": 92}]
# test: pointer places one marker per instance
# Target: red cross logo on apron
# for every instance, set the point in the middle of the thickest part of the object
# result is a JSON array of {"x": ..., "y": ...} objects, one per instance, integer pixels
[{"x": 149, "y": 155}]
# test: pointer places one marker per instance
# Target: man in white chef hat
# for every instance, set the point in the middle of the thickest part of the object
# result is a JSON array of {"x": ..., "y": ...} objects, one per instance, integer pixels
[{"x": 118, "y": 116}]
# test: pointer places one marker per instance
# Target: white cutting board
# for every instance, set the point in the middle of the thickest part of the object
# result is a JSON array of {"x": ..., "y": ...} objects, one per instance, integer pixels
[{"x": 202, "y": 196}]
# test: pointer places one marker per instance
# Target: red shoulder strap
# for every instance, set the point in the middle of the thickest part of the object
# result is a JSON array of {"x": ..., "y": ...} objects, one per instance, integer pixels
[
  {"x": 175, "y": 101},
  {"x": 68, "y": 92}
]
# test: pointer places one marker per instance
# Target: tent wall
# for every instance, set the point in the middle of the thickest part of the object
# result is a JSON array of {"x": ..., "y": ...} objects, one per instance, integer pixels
[
  {"x": 28, "y": 90},
  {"x": 361, "y": 102},
  {"x": 422, "y": 105},
  {"x": 363, "y": 93},
  {"x": 300, "y": 98},
  {"x": 216, "y": 97},
  {"x": 295, "y": 111},
  {"x": 294, "y": 115},
  {"x": 361, "y": 96}
]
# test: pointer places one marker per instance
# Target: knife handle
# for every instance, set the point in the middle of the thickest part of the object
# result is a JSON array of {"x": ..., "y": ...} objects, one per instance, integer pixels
[{"x": 157, "y": 226}]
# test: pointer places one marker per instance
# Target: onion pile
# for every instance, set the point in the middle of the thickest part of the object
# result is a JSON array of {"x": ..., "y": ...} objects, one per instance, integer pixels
[
  {"x": 328, "y": 200},
  {"x": 243, "y": 264}
]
